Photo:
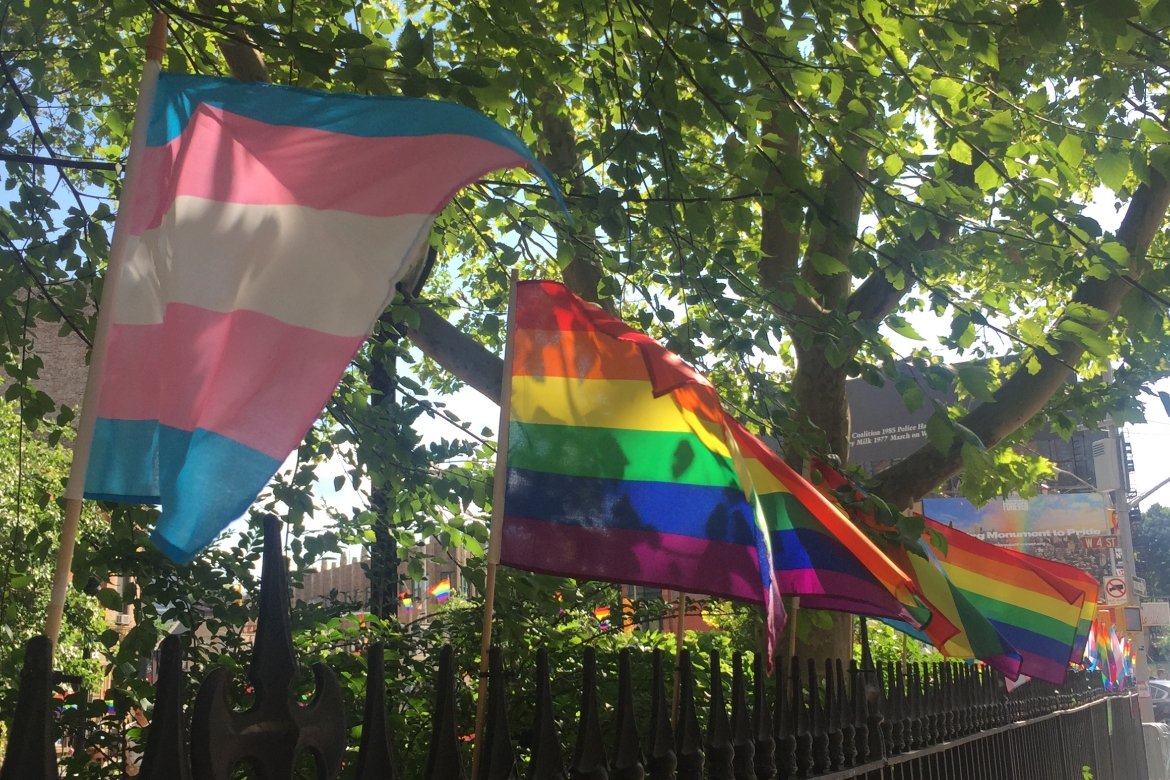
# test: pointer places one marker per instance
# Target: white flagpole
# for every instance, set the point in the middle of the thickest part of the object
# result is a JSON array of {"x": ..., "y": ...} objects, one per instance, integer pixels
[
  {"x": 155, "y": 48},
  {"x": 496, "y": 538}
]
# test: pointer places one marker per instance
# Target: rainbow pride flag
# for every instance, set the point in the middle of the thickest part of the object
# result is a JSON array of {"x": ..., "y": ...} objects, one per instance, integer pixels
[
  {"x": 267, "y": 230},
  {"x": 622, "y": 465},
  {"x": 441, "y": 590},
  {"x": 957, "y": 628},
  {"x": 1037, "y": 614},
  {"x": 619, "y": 466},
  {"x": 1063, "y": 578},
  {"x": 818, "y": 553}
]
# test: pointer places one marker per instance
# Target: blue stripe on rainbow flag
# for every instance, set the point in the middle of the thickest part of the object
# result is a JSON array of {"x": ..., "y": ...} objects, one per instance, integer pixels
[{"x": 699, "y": 511}]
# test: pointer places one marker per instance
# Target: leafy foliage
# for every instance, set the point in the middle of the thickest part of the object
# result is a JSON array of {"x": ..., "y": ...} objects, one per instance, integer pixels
[{"x": 788, "y": 195}]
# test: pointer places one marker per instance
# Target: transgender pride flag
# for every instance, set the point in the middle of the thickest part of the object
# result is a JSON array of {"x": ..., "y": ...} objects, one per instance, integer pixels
[{"x": 266, "y": 231}]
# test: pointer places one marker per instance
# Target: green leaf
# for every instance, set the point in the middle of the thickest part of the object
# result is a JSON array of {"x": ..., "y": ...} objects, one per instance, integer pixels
[
  {"x": 826, "y": 265},
  {"x": 1071, "y": 150},
  {"x": 977, "y": 380},
  {"x": 1093, "y": 341},
  {"x": 939, "y": 431},
  {"x": 1000, "y": 127},
  {"x": 960, "y": 152},
  {"x": 469, "y": 77},
  {"x": 912, "y": 395},
  {"x": 410, "y": 46},
  {"x": 350, "y": 39},
  {"x": 1113, "y": 168},
  {"x": 110, "y": 599},
  {"x": 903, "y": 328},
  {"x": 893, "y": 164},
  {"x": 986, "y": 177},
  {"x": 946, "y": 88}
]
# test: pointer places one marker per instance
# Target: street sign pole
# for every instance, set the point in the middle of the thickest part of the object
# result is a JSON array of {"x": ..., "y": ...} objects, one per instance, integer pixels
[{"x": 1140, "y": 638}]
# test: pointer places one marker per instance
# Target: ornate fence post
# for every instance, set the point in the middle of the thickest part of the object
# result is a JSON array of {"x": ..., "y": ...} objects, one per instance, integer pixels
[
  {"x": 498, "y": 759},
  {"x": 628, "y": 763},
  {"x": 30, "y": 753},
  {"x": 743, "y": 747},
  {"x": 765, "y": 747},
  {"x": 844, "y": 714},
  {"x": 662, "y": 761},
  {"x": 165, "y": 757},
  {"x": 589, "y": 760},
  {"x": 687, "y": 742},
  {"x": 786, "y": 766},
  {"x": 720, "y": 753},
  {"x": 801, "y": 728},
  {"x": 275, "y": 730},
  {"x": 443, "y": 760},
  {"x": 547, "y": 762},
  {"x": 375, "y": 753}
]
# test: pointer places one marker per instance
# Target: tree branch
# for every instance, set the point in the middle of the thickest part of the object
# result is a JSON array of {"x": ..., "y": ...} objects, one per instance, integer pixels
[
  {"x": 467, "y": 360},
  {"x": 781, "y": 209},
  {"x": 1024, "y": 394}
]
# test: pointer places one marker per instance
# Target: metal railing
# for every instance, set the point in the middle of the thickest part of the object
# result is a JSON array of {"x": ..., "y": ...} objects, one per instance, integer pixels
[{"x": 898, "y": 721}]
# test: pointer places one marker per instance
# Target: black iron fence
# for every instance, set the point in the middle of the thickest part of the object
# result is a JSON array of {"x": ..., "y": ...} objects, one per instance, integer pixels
[{"x": 811, "y": 720}]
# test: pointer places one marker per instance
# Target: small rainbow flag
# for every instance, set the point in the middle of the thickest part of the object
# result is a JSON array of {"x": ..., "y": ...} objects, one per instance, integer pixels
[
  {"x": 602, "y": 615},
  {"x": 441, "y": 591},
  {"x": 406, "y": 601}
]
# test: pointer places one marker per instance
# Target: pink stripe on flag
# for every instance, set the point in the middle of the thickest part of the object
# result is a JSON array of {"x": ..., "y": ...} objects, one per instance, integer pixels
[
  {"x": 846, "y": 592},
  {"x": 233, "y": 159},
  {"x": 243, "y": 375},
  {"x": 634, "y": 557}
]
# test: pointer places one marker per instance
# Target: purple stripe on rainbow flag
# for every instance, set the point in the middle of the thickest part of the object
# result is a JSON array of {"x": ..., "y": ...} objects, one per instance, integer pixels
[{"x": 651, "y": 558}]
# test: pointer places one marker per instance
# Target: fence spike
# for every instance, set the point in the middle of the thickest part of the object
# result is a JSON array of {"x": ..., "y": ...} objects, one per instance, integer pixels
[
  {"x": 589, "y": 759},
  {"x": 765, "y": 742},
  {"x": 743, "y": 755},
  {"x": 816, "y": 719},
  {"x": 860, "y": 714},
  {"x": 443, "y": 761},
  {"x": 800, "y": 724},
  {"x": 832, "y": 718},
  {"x": 785, "y": 733},
  {"x": 165, "y": 756},
  {"x": 913, "y": 707},
  {"x": 30, "y": 754},
  {"x": 375, "y": 759},
  {"x": 720, "y": 753},
  {"x": 628, "y": 763},
  {"x": 661, "y": 759},
  {"x": 498, "y": 760},
  {"x": 933, "y": 696},
  {"x": 880, "y": 728},
  {"x": 548, "y": 762},
  {"x": 844, "y": 715},
  {"x": 893, "y": 711},
  {"x": 950, "y": 721},
  {"x": 687, "y": 742},
  {"x": 274, "y": 732}
]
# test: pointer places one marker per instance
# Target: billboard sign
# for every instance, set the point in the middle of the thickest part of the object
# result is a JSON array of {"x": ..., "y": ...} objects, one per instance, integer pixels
[{"x": 1022, "y": 522}]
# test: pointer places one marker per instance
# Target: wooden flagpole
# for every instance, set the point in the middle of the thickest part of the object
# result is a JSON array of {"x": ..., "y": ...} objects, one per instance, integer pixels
[
  {"x": 74, "y": 491},
  {"x": 679, "y": 635},
  {"x": 496, "y": 538}
]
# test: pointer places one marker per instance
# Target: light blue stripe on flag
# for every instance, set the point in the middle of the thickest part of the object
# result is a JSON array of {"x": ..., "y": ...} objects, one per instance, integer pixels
[{"x": 202, "y": 478}]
